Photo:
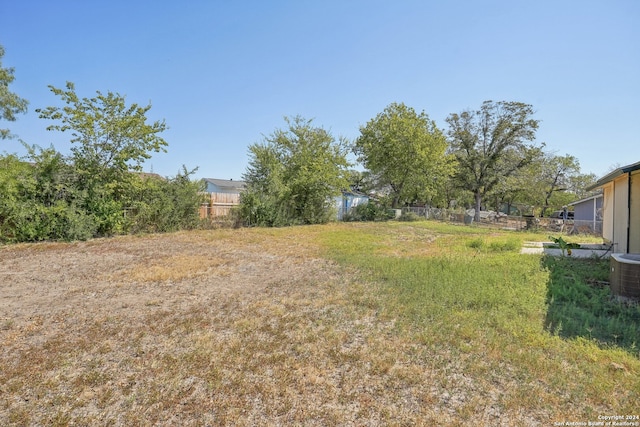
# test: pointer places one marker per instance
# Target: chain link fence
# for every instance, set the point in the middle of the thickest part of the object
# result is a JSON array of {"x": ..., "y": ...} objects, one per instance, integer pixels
[{"x": 509, "y": 222}]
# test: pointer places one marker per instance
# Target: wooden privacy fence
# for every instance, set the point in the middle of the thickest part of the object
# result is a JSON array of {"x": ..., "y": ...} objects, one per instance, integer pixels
[{"x": 219, "y": 204}]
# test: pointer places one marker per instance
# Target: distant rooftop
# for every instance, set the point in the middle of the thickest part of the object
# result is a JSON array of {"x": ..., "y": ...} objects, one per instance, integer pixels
[{"x": 226, "y": 183}]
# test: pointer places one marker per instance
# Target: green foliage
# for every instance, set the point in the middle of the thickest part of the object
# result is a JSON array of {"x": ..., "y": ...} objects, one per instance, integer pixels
[
  {"x": 410, "y": 217},
  {"x": 40, "y": 202},
  {"x": 293, "y": 176},
  {"x": 548, "y": 181},
  {"x": 155, "y": 204},
  {"x": 43, "y": 201},
  {"x": 370, "y": 211},
  {"x": 491, "y": 144},
  {"x": 110, "y": 137},
  {"x": 10, "y": 103},
  {"x": 508, "y": 245},
  {"x": 261, "y": 210},
  {"x": 477, "y": 243},
  {"x": 564, "y": 246},
  {"x": 579, "y": 305},
  {"x": 495, "y": 245},
  {"x": 406, "y": 152}
]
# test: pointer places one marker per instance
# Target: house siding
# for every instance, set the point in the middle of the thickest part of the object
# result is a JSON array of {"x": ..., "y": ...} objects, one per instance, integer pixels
[
  {"x": 583, "y": 211},
  {"x": 621, "y": 189},
  {"x": 620, "y": 212},
  {"x": 634, "y": 209},
  {"x": 588, "y": 213},
  {"x": 588, "y": 210},
  {"x": 347, "y": 201},
  {"x": 607, "y": 213}
]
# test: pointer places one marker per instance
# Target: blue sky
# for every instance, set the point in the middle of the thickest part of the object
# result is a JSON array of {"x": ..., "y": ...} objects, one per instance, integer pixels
[{"x": 224, "y": 73}]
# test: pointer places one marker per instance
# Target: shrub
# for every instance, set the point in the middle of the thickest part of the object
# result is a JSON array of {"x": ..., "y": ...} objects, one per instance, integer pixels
[
  {"x": 369, "y": 212},
  {"x": 477, "y": 243},
  {"x": 409, "y": 216},
  {"x": 509, "y": 245}
]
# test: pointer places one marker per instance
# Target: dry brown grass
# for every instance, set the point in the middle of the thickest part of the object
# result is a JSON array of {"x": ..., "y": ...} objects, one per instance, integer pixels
[
  {"x": 247, "y": 327},
  {"x": 231, "y": 327}
]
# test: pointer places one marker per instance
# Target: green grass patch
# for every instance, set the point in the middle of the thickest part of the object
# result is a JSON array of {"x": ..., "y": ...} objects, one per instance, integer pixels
[
  {"x": 539, "y": 322},
  {"x": 580, "y": 304},
  {"x": 495, "y": 245}
]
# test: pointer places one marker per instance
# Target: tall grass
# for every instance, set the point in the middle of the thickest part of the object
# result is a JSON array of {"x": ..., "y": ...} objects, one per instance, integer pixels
[
  {"x": 471, "y": 292},
  {"x": 580, "y": 304}
]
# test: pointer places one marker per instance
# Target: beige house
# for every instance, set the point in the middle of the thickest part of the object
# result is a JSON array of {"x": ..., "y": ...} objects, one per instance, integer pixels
[{"x": 621, "y": 208}]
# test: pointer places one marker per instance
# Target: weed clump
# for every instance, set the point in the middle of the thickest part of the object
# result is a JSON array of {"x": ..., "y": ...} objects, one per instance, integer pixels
[
  {"x": 509, "y": 245},
  {"x": 409, "y": 217}
]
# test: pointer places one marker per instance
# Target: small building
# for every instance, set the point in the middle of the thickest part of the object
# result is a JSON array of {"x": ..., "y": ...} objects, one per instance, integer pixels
[
  {"x": 587, "y": 214},
  {"x": 227, "y": 186},
  {"x": 621, "y": 208},
  {"x": 222, "y": 196},
  {"x": 349, "y": 200}
]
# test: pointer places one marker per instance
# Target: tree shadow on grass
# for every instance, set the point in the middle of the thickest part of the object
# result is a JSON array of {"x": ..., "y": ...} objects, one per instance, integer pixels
[{"x": 579, "y": 304}]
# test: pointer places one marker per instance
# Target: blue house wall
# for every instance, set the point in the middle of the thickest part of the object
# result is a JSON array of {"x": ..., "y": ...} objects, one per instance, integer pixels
[
  {"x": 347, "y": 201},
  {"x": 588, "y": 213}
]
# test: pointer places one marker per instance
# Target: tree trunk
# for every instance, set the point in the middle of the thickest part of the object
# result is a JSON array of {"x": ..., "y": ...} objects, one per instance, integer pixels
[
  {"x": 478, "y": 198},
  {"x": 395, "y": 202}
]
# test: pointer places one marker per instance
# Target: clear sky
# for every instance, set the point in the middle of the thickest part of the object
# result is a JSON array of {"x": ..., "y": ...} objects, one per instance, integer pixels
[{"x": 224, "y": 73}]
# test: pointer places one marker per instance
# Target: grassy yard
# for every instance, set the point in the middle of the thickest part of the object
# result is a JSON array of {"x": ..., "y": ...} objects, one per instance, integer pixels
[
  {"x": 345, "y": 324},
  {"x": 541, "y": 333}
]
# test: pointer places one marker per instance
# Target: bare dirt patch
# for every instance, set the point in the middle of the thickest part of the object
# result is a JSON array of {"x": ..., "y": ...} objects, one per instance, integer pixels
[
  {"x": 83, "y": 325},
  {"x": 129, "y": 274},
  {"x": 203, "y": 328}
]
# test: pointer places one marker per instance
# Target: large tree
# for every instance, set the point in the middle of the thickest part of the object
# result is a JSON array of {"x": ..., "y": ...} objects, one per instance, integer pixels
[
  {"x": 491, "y": 144},
  {"x": 557, "y": 171},
  {"x": 293, "y": 176},
  {"x": 406, "y": 151},
  {"x": 557, "y": 181},
  {"x": 110, "y": 139},
  {"x": 10, "y": 103}
]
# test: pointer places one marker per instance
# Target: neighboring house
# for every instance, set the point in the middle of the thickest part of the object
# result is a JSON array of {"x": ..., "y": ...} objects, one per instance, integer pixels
[
  {"x": 223, "y": 195},
  {"x": 347, "y": 201},
  {"x": 621, "y": 208},
  {"x": 228, "y": 186},
  {"x": 587, "y": 213}
]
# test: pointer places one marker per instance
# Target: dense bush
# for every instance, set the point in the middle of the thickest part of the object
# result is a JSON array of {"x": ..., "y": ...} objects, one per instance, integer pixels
[
  {"x": 39, "y": 201},
  {"x": 98, "y": 189},
  {"x": 47, "y": 199},
  {"x": 369, "y": 212},
  {"x": 409, "y": 216},
  {"x": 293, "y": 177},
  {"x": 156, "y": 204}
]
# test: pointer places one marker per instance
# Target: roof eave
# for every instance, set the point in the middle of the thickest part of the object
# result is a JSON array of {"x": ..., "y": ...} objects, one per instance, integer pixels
[
  {"x": 613, "y": 175},
  {"x": 586, "y": 199}
]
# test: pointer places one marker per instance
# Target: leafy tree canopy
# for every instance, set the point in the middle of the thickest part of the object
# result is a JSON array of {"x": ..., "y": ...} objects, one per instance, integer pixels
[
  {"x": 293, "y": 175},
  {"x": 109, "y": 136},
  {"x": 491, "y": 144},
  {"x": 10, "y": 103},
  {"x": 406, "y": 151}
]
